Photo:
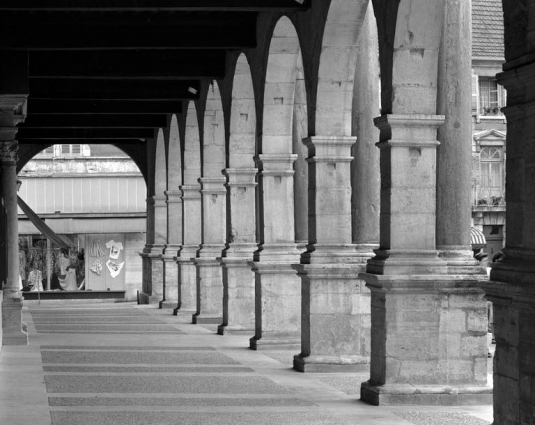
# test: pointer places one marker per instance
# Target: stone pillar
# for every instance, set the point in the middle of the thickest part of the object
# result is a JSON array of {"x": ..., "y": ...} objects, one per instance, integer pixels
[
  {"x": 174, "y": 241},
  {"x": 12, "y": 333},
  {"x": 454, "y": 154},
  {"x": 278, "y": 288},
  {"x": 331, "y": 320},
  {"x": 512, "y": 281},
  {"x": 238, "y": 278},
  {"x": 365, "y": 173},
  {"x": 192, "y": 229},
  {"x": 146, "y": 263},
  {"x": 428, "y": 327},
  {"x": 209, "y": 271},
  {"x": 153, "y": 270}
]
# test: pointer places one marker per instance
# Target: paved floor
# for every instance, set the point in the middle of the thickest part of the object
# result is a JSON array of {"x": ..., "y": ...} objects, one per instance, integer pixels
[{"x": 103, "y": 364}]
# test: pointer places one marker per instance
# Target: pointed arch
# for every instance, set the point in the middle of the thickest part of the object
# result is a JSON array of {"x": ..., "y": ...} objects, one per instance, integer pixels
[
  {"x": 279, "y": 89},
  {"x": 192, "y": 147},
  {"x": 160, "y": 165},
  {"x": 213, "y": 156},
  {"x": 337, "y": 68},
  {"x": 409, "y": 43},
  {"x": 241, "y": 148},
  {"x": 175, "y": 156}
]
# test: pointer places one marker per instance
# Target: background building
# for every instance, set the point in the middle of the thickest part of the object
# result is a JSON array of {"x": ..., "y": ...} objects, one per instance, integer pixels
[
  {"x": 489, "y": 124},
  {"x": 93, "y": 196}
]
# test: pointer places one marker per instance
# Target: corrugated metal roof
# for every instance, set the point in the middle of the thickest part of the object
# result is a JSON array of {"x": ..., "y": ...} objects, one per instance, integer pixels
[{"x": 487, "y": 29}]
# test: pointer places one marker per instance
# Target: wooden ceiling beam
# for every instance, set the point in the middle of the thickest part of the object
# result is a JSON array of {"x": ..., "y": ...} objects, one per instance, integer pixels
[
  {"x": 51, "y": 106},
  {"x": 113, "y": 90},
  {"x": 116, "y": 142},
  {"x": 94, "y": 121},
  {"x": 156, "y": 5},
  {"x": 128, "y": 64},
  {"x": 98, "y": 31},
  {"x": 84, "y": 133}
]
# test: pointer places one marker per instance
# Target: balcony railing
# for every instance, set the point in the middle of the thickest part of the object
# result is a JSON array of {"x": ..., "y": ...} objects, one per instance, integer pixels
[{"x": 489, "y": 197}]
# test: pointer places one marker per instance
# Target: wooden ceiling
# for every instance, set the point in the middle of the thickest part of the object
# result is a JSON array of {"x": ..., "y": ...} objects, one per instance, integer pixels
[{"x": 108, "y": 71}]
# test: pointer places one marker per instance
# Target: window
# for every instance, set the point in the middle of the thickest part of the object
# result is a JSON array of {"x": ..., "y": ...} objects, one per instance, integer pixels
[
  {"x": 491, "y": 163},
  {"x": 491, "y": 96},
  {"x": 71, "y": 150}
]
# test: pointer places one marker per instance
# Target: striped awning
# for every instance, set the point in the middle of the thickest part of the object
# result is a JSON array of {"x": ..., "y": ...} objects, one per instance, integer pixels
[{"x": 477, "y": 238}]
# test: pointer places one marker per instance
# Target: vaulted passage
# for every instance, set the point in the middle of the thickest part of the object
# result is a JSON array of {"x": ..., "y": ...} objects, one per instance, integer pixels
[{"x": 310, "y": 183}]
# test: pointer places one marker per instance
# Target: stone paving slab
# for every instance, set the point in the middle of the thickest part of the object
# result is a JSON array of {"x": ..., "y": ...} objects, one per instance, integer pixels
[
  {"x": 106, "y": 328},
  {"x": 439, "y": 418},
  {"x": 162, "y": 384},
  {"x": 134, "y": 357},
  {"x": 193, "y": 418},
  {"x": 88, "y": 312},
  {"x": 120, "y": 332},
  {"x": 122, "y": 348},
  {"x": 146, "y": 369},
  {"x": 96, "y": 319},
  {"x": 153, "y": 401}
]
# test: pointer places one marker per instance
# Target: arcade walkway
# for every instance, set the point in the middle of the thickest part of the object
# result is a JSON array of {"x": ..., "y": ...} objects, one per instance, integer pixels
[{"x": 104, "y": 364}]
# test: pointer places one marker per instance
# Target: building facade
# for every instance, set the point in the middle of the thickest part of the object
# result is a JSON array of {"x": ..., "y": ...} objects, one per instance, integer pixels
[
  {"x": 93, "y": 196},
  {"x": 489, "y": 124}
]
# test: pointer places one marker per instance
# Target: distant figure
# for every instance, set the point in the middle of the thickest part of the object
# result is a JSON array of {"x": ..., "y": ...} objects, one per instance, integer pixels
[{"x": 67, "y": 276}]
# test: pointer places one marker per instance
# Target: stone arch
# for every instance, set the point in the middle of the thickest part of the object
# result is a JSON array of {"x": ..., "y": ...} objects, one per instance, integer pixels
[
  {"x": 174, "y": 162},
  {"x": 279, "y": 89},
  {"x": 213, "y": 136},
  {"x": 337, "y": 68},
  {"x": 136, "y": 152},
  {"x": 192, "y": 147},
  {"x": 241, "y": 149},
  {"x": 160, "y": 165},
  {"x": 409, "y": 42},
  {"x": 299, "y": 132}
]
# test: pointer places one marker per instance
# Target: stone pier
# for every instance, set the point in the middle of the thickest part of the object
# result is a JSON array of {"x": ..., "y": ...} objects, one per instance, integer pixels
[
  {"x": 209, "y": 270},
  {"x": 238, "y": 278},
  {"x": 278, "y": 288}
]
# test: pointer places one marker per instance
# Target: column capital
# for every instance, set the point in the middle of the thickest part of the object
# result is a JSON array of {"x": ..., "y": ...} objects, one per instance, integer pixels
[
  {"x": 13, "y": 109},
  {"x": 191, "y": 191},
  {"x": 8, "y": 151},
  {"x": 213, "y": 185},
  {"x": 241, "y": 176},
  {"x": 408, "y": 130},
  {"x": 276, "y": 164},
  {"x": 330, "y": 148},
  {"x": 173, "y": 196}
]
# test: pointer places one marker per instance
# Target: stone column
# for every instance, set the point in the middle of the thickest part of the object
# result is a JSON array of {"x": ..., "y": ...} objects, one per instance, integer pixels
[
  {"x": 331, "y": 319},
  {"x": 146, "y": 284},
  {"x": 278, "y": 288},
  {"x": 238, "y": 278},
  {"x": 209, "y": 271},
  {"x": 454, "y": 154},
  {"x": 12, "y": 333},
  {"x": 174, "y": 241},
  {"x": 187, "y": 273},
  {"x": 428, "y": 327},
  {"x": 512, "y": 281},
  {"x": 153, "y": 275}
]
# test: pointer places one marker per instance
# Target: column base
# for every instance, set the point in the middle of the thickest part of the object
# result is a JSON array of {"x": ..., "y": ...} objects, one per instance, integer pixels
[
  {"x": 431, "y": 395},
  {"x": 144, "y": 298},
  {"x": 460, "y": 261},
  {"x": 234, "y": 330},
  {"x": 331, "y": 364},
  {"x": 205, "y": 319},
  {"x": 273, "y": 342},
  {"x": 12, "y": 333}
]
